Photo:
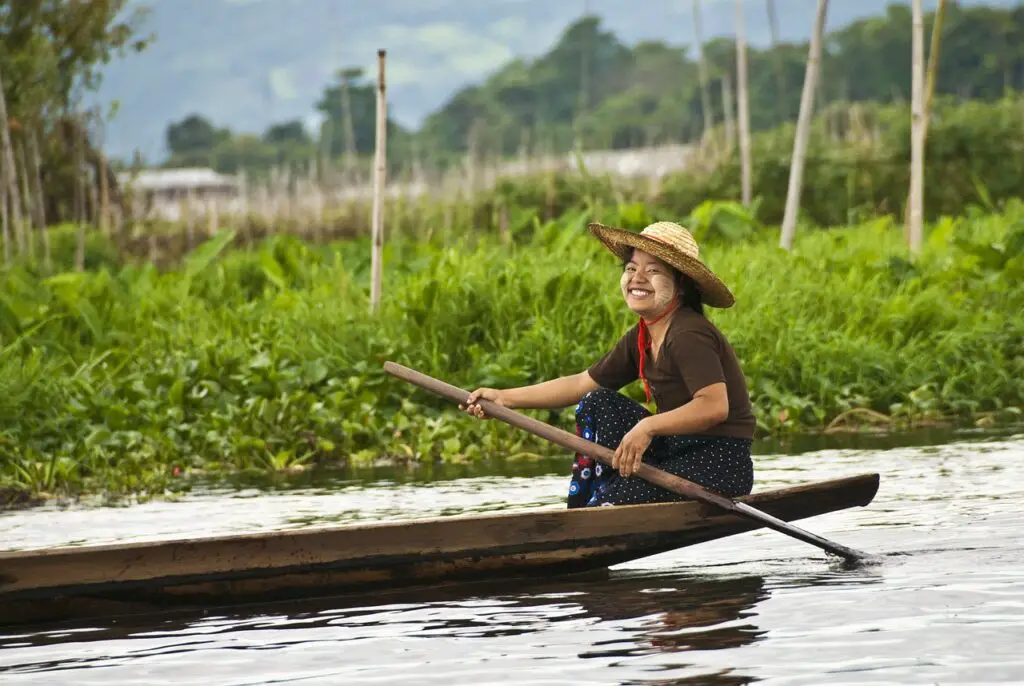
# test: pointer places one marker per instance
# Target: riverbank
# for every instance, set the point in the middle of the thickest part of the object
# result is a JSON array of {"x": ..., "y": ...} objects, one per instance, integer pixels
[{"x": 127, "y": 380}]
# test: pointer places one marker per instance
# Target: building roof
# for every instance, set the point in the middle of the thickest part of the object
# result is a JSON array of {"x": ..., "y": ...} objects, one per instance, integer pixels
[{"x": 187, "y": 178}]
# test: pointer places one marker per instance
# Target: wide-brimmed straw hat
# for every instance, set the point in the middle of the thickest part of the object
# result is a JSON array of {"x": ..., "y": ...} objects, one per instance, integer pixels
[{"x": 673, "y": 244}]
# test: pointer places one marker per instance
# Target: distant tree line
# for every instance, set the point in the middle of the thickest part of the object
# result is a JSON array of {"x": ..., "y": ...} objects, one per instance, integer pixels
[{"x": 594, "y": 90}]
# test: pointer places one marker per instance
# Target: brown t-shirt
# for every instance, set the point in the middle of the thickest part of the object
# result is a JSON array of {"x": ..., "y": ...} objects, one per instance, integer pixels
[{"x": 693, "y": 355}]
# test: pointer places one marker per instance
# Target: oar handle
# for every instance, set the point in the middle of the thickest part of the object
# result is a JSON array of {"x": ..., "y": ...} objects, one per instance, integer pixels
[
  {"x": 570, "y": 441},
  {"x": 558, "y": 436}
]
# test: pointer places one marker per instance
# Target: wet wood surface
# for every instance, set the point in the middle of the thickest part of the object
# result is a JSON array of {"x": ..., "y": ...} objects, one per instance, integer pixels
[{"x": 64, "y": 583}]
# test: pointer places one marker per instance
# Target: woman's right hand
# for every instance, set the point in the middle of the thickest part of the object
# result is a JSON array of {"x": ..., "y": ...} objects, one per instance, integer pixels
[{"x": 494, "y": 395}]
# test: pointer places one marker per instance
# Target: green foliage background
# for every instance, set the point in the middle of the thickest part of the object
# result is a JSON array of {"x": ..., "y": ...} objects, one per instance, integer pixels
[{"x": 118, "y": 379}]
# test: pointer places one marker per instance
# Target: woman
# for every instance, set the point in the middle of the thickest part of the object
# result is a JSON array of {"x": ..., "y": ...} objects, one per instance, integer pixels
[{"x": 704, "y": 425}]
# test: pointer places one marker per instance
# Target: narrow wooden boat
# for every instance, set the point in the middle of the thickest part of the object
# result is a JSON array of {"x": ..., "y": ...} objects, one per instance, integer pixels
[{"x": 79, "y": 582}]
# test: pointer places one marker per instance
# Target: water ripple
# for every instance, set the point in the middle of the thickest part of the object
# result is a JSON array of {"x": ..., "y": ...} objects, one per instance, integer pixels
[{"x": 946, "y": 604}]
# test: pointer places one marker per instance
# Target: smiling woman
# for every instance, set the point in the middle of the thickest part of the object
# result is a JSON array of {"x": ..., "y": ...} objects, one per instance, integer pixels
[{"x": 704, "y": 424}]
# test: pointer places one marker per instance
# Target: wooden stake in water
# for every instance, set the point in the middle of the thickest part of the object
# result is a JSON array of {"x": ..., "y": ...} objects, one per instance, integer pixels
[
  {"x": 380, "y": 167},
  {"x": 917, "y": 128},
  {"x": 803, "y": 129},
  {"x": 929, "y": 92},
  {"x": 744, "y": 108}
]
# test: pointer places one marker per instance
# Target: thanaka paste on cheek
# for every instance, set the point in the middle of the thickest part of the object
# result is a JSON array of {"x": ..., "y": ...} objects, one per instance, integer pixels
[
  {"x": 664, "y": 291},
  {"x": 624, "y": 283}
]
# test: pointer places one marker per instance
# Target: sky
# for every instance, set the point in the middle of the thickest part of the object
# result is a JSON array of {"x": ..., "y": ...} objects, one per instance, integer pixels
[{"x": 247, "y": 63}]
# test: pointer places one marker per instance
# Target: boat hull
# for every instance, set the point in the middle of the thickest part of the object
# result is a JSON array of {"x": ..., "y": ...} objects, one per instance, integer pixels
[{"x": 78, "y": 582}]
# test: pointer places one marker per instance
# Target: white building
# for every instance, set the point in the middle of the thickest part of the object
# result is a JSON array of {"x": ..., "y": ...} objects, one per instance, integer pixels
[{"x": 165, "y": 192}]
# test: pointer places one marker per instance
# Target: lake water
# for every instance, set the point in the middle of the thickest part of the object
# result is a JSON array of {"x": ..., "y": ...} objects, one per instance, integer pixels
[{"x": 945, "y": 605}]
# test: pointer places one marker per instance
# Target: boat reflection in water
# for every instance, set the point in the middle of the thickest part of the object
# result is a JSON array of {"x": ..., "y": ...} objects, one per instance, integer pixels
[{"x": 607, "y": 619}]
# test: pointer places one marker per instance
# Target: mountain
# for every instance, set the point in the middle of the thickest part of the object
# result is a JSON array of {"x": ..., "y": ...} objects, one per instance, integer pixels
[{"x": 245, "y": 64}]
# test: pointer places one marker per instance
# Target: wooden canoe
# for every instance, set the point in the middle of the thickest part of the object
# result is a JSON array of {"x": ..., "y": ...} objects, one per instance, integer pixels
[{"x": 90, "y": 581}]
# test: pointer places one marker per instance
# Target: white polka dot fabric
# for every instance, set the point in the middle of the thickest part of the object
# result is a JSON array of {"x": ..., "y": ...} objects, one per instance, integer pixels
[{"x": 718, "y": 463}]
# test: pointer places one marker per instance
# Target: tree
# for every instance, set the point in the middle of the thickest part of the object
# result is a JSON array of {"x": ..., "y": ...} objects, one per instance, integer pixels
[
  {"x": 52, "y": 54},
  {"x": 52, "y": 47},
  {"x": 194, "y": 134},
  {"x": 288, "y": 133},
  {"x": 358, "y": 106}
]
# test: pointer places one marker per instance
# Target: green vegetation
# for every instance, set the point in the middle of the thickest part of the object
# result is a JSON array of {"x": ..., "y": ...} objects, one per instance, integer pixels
[
  {"x": 858, "y": 164},
  {"x": 593, "y": 87},
  {"x": 124, "y": 379},
  {"x": 857, "y": 169}
]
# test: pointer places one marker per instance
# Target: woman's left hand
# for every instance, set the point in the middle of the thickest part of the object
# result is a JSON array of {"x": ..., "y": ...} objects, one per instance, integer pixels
[{"x": 631, "y": 449}]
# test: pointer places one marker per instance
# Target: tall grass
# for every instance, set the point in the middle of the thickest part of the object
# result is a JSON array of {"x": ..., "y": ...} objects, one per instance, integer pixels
[{"x": 122, "y": 378}]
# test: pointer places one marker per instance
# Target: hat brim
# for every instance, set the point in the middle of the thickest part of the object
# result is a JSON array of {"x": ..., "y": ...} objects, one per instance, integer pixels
[{"x": 622, "y": 242}]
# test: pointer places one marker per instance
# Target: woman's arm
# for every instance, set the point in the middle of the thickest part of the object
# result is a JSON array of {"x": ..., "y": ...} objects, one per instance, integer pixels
[
  {"x": 547, "y": 395},
  {"x": 560, "y": 392},
  {"x": 709, "y": 406}
]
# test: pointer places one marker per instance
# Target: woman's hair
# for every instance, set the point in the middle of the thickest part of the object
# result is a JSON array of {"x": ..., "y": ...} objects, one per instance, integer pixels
[{"x": 690, "y": 292}]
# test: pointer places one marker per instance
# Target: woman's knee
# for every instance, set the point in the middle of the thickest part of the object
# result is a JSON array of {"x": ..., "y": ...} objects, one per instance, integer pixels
[{"x": 602, "y": 397}]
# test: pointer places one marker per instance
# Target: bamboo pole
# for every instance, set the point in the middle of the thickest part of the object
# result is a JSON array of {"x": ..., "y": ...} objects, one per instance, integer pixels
[
  {"x": 93, "y": 198},
  {"x": 744, "y": 108},
  {"x": 11, "y": 187},
  {"x": 933, "y": 63},
  {"x": 583, "y": 100},
  {"x": 702, "y": 67},
  {"x": 80, "y": 193},
  {"x": 4, "y": 225},
  {"x": 803, "y": 129},
  {"x": 350, "y": 154},
  {"x": 188, "y": 211},
  {"x": 917, "y": 129},
  {"x": 37, "y": 165},
  {"x": 212, "y": 216},
  {"x": 781, "y": 95},
  {"x": 729, "y": 112},
  {"x": 933, "y": 69},
  {"x": 23, "y": 185},
  {"x": 26, "y": 198},
  {"x": 104, "y": 194},
  {"x": 472, "y": 157},
  {"x": 380, "y": 167}
]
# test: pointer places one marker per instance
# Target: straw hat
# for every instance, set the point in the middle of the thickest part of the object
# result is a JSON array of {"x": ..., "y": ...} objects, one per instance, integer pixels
[{"x": 673, "y": 244}]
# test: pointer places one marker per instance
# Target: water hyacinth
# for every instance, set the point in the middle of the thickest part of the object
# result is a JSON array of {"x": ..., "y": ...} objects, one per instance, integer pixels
[{"x": 124, "y": 379}]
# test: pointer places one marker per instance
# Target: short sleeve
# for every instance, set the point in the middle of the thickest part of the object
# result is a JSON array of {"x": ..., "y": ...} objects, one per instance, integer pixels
[
  {"x": 620, "y": 365},
  {"x": 696, "y": 353}
]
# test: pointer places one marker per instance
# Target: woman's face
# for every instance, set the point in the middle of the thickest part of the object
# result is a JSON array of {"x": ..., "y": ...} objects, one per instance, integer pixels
[{"x": 647, "y": 284}]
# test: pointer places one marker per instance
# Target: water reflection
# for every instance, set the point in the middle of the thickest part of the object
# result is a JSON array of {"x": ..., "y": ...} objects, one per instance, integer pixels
[{"x": 644, "y": 614}]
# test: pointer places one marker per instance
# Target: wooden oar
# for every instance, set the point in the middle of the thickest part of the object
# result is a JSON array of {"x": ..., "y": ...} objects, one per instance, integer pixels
[{"x": 572, "y": 442}]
